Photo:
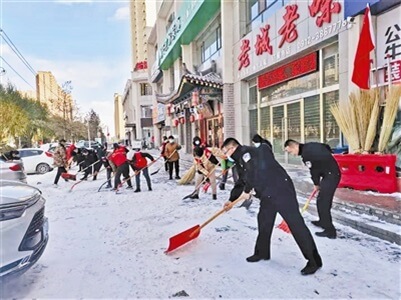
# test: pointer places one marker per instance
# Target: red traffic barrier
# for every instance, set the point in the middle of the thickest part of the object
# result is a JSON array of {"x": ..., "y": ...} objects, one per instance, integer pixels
[{"x": 368, "y": 172}]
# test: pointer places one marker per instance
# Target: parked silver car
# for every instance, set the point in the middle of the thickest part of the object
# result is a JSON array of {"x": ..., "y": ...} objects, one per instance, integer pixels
[
  {"x": 23, "y": 227},
  {"x": 12, "y": 170}
]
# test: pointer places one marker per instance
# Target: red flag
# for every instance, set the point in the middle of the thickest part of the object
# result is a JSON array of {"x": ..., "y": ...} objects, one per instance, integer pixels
[{"x": 366, "y": 44}]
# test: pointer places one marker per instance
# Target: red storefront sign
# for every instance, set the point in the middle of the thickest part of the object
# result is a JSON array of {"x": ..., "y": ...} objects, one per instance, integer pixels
[
  {"x": 296, "y": 68},
  {"x": 263, "y": 41},
  {"x": 326, "y": 8},
  {"x": 142, "y": 65},
  {"x": 244, "y": 55}
]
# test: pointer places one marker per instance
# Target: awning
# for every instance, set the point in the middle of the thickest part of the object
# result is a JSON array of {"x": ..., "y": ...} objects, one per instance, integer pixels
[{"x": 188, "y": 83}]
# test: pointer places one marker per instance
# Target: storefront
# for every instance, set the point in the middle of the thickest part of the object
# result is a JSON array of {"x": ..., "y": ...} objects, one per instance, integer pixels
[{"x": 291, "y": 67}]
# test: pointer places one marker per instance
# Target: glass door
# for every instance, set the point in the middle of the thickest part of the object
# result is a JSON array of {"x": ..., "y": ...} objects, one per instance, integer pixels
[
  {"x": 293, "y": 129},
  {"x": 278, "y": 132}
]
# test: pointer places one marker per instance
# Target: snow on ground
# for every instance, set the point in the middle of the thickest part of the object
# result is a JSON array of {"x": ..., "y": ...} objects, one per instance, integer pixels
[{"x": 104, "y": 245}]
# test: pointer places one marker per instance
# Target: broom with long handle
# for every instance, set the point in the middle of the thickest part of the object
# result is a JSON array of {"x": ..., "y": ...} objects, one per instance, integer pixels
[{"x": 284, "y": 226}]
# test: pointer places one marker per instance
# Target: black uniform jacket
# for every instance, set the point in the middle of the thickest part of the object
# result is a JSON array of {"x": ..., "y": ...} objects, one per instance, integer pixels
[
  {"x": 318, "y": 158},
  {"x": 258, "y": 169}
]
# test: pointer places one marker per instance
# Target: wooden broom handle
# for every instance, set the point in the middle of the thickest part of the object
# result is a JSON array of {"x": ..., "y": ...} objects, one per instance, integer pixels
[{"x": 219, "y": 213}]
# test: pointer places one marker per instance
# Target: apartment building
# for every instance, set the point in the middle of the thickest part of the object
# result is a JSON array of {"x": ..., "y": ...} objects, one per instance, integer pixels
[
  {"x": 49, "y": 92},
  {"x": 137, "y": 96},
  {"x": 119, "y": 125}
]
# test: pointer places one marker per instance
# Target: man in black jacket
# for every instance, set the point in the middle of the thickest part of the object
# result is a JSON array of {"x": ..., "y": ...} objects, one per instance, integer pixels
[
  {"x": 325, "y": 176},
  {"x": 259, "y": 170}
]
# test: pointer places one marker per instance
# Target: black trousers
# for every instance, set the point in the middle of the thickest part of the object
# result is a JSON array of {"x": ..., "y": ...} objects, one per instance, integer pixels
[
  {"x": 123, "y": 169},
  {"x": 284, "y": 202},
  {"x": 176, "y": 164},
  {"x": 166, "y": 164},
  {"x": 324, "y": 202},
  {"x": 60, "y": 170},
  {"x": 108, "y": 175}
]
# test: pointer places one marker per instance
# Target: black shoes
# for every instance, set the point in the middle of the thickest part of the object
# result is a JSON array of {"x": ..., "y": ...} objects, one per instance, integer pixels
[
  {"x": 310, "y": 268},
  {"x": 317, "y": 223},
  {"x": 150, "y": 188},
  {"x": 171, "y": 178},
  {"x": 194, "y": 196},
  {"x": 331, "y": 234},
  {"x": 137, "y": 190},
  {"x": 222, "y": 186},
  {"x": 177, "y": 177},
  {"x": 129, "y": 188},
  {"x": 214, "y": 197},
  {"x": 256, "y": 258},
  {"x": 84, "y": 178},
  {"x": 108, "y": 186}
]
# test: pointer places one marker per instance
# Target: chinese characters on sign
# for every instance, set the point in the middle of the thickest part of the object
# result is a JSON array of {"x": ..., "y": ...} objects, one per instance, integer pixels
[
  {"x": 326, "y": 8},
  {"x": 263, "y": 41},
  {"x": 289, "y": 30},
  {"x": 393, "y": 41},
  {"x": 243, "y": 58},
  {"x": 287, "y": 34},
  {"x": 171, "y": 35},
  {"x": 395, "y": 69}
]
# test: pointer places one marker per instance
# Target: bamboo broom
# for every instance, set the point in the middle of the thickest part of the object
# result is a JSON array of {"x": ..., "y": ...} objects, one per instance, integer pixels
[
  {"x": 390, "y": 112},
  {"x": 372, "y": 129},
  {"x": 345, "y": 117},
  {"x": 188, "y": 176}
]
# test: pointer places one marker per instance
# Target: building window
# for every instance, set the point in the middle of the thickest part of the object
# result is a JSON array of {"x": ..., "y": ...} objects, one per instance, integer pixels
[
  {"x": 146, "y": 111},
  {"x": 312, "y": 119},
  {"x": 330, "y": 65},
  {"x": 265, "y": 129},
  {"x": 211, "y": 44},
  {"x": 146, "y": 89},
  {"x": 331, "y": 129},
  {"x": 258, "y": 11},
  {"x": 253, "y": 95},
  {"x": 253, "y": 122}
]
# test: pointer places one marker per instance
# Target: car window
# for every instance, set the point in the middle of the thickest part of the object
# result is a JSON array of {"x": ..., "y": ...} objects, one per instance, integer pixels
[{"x": 28, "y": 153}]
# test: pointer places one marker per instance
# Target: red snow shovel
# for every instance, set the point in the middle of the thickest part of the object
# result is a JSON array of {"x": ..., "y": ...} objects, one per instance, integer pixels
[{"x": 192, "y": 233}]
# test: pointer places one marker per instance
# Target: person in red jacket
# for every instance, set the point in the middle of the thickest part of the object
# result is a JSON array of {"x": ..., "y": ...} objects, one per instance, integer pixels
[
  {"x": 119, "y": 158},
  {"x": 69, "y": 154},
  {"x": 139, "y": 164}
]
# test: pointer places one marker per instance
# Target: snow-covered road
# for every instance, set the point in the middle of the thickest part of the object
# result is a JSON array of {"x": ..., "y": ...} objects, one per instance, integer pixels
[{"x": 104, "y": 245}]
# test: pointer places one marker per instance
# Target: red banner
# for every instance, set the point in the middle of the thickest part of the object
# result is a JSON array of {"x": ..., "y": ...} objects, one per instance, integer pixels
[{"x": 296, "y": 68}]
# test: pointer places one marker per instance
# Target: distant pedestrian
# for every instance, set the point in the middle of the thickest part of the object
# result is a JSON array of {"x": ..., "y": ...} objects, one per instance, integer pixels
[
  {"x": 60, "y": 160},
  {"x": 326, "y": 176},
  {"x": 171, "y": 152},
  {"x": 163, "y": 150},
  {"x": 259, "y": 170},
  {"x": 257, "y": 140},
  {"x": 139, "y": 165}
]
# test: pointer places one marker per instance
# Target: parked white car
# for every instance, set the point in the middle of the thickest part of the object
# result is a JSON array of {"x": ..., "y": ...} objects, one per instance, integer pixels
[
  {"x": 23, "y": 227},
  {"x": 36, "y": 160},
  {"x": 12, "y": 170}
]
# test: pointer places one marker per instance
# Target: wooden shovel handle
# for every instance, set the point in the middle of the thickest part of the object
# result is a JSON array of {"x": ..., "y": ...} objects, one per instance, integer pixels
[
  {"x": 218, "y": 213},
  {"x": 306, "y": 205}
]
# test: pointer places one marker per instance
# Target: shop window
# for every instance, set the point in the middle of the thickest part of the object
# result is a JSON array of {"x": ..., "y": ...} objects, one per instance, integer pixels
[
  {"x": 294, "y": 121},
  {"x": 265, "y": 129},
  {"x": 331, "y": 129},
  {"x": 253, "y": 95},
  {"x": 211, "y": 44},
  {"x": 330, "y": 65},
  {"x": 253, "y": 122},
  {"x": 293, "y": 87},
  {"x": 146, "y": 89},
  {"x": 312, "y": 119}
]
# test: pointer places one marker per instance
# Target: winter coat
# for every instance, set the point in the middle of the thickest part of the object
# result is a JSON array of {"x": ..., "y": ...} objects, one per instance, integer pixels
[
  {"x": 60, "y": 156},
  {"x": 169, "y": 151},
  {"x": 69, "y": 151},
  {"x": 207, "y": 162},
  {"x": 139, "y": 161},
  {"x": 119, "y": 156}
]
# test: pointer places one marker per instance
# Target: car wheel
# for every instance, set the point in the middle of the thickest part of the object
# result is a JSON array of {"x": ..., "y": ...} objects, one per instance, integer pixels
[{"x": 42, "y": 168}]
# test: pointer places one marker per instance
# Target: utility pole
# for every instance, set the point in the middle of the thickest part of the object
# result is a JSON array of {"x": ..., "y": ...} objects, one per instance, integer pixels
[{"x": 67, "y": 88}]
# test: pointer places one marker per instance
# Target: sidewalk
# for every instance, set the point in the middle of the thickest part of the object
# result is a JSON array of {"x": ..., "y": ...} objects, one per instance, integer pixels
[{"x": 375, "y": 214}]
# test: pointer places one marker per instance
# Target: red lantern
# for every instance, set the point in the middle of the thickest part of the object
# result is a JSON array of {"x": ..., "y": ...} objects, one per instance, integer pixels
[
  {"x": 192, "y": 118},
  {"x": 176, "y": 122},
  {"x": 200, "y": 116},
  {"x": 182, "y": 120}
]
